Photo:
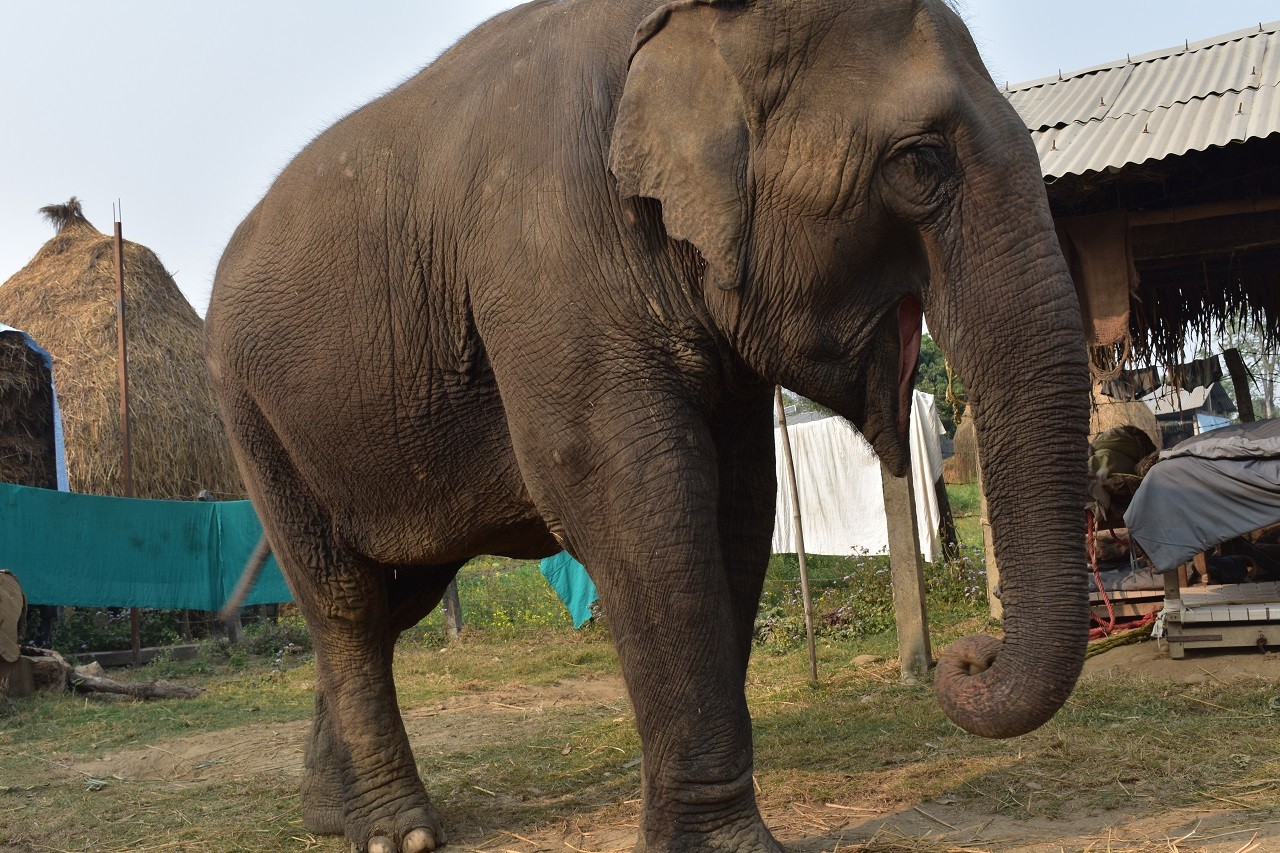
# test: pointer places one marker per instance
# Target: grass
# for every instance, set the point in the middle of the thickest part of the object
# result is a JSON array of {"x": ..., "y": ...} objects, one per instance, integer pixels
[
  {"x": 859, "y": 739},
  {"x": 515, "y": 744}
]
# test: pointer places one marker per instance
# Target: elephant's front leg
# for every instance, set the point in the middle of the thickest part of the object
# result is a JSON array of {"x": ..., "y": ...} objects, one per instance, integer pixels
[
  {"x": 743, "y": 433},
  {"x": 639, "y": 507}
]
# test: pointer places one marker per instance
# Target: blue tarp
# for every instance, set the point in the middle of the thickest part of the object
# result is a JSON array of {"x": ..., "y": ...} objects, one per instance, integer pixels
[{"x": 97, "y": 551}]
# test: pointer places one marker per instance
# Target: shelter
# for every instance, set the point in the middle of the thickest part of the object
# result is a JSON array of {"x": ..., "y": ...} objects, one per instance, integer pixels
[
  {"x": 65, "y": 298},
  {"x": 31, "y": 446},
  {"x": 1217, "y": 489},
  {"x": 1163, "y": 175},
  {"x": 1184, "y": 412}
]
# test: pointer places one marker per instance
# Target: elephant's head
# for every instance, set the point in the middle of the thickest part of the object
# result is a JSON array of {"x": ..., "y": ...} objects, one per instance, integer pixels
[{"x": 838, "y": 166}]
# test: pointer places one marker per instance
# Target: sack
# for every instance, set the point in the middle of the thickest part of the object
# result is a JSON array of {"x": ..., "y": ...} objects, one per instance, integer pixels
[{"x": 13, "y": 608}]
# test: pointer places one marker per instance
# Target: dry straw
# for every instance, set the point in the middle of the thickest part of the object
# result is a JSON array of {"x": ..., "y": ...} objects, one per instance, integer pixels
[{"x": 65, "y": 299}]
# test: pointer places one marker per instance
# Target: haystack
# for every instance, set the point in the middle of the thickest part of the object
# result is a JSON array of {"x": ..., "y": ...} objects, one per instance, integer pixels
[
  {"x": 962, "y": 466},
  {"x": 27, "y": 455},
  {"x": 1108, "y": 413},
  {"x": 65, "y": 298}
]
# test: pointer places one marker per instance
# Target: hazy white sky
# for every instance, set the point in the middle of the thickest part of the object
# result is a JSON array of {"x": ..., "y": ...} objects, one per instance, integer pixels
[{"x": 187, "y": 111}]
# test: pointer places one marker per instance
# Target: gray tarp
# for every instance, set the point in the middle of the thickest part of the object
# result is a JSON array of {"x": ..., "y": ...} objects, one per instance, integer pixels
[{"x": 1206, "y": 490}]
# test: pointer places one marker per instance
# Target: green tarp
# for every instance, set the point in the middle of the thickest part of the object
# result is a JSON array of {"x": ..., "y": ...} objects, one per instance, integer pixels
[
  {"x": 569, "y": 579},
  {"x": 95, "y": 551}
]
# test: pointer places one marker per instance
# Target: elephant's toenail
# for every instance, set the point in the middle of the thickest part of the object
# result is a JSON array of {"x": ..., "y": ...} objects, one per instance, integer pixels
[
  {"x": 418, "y": 841},
  {"x": 381, "y": 844}
]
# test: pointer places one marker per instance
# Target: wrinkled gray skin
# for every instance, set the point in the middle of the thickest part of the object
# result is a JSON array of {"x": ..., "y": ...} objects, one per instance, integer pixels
[{"x": 538, "y": 296}]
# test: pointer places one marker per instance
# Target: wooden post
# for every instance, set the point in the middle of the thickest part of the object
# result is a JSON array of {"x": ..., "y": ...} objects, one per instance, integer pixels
[
  {"x": 452, "y": 610},
  {"x": 1240, "y": 382},
  {"x": 799, "y": 531},
  {"x": 946, "y": 522},
  {"x": 910, "y": 614},
  {"x": 235, "y": 629},
  {"x": 989, "y": 550}
]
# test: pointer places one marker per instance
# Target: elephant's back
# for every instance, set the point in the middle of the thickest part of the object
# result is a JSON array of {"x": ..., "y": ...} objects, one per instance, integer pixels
[{"x": 343, "y": 304}]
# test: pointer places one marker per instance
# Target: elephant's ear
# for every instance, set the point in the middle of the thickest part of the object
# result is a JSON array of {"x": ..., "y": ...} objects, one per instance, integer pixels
[{"x": 681, "y": 136}]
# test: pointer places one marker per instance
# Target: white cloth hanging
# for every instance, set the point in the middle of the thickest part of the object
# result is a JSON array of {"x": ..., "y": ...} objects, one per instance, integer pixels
[{"x": 841, "y": 494}]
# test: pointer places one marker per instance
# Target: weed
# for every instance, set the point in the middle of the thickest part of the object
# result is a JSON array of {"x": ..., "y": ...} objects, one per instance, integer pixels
[
  {"x": 80, "y": 629},
  {"x": 853, "y": 596}
]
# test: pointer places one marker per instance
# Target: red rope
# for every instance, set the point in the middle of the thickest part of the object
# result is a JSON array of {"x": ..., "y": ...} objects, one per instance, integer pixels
[
  {"x": 1091, "y": 538},
  {"x": 1105, "y": 629}
]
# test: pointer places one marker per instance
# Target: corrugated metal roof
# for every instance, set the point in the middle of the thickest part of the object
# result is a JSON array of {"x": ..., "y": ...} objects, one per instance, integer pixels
[{"x": 1188, "y": 98}]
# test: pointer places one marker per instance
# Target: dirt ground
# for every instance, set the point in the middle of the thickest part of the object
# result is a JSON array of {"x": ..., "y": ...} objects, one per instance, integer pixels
[{"x": 935, "y": 825}]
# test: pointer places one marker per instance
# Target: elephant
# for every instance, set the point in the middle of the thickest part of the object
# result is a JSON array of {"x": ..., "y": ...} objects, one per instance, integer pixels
[{"x": 538, "y": 296}]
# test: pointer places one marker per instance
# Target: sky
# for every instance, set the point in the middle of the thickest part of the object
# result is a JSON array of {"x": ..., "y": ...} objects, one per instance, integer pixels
[{"x": 185, "y": 111}]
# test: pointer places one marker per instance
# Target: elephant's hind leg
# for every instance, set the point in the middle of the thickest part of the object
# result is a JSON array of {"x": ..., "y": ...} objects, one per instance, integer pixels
[
  {"x": 412, "y": 594},
  {"x": 346, "y": 601}
]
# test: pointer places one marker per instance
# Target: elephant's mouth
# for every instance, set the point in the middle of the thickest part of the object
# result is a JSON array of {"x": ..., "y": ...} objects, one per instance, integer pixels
[{"x": 910, "y": 321}]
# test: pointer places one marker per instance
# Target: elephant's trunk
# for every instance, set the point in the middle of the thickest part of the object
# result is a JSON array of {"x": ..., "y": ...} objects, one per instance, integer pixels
[{"x": 1014, "y": 330}]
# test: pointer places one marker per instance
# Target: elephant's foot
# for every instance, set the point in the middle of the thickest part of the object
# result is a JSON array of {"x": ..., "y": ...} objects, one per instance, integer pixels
[
  {"x": 396, "y": 827},
  {"x": 748, "y": 835},
  {"x": 324, "y": 785},
  {"x": 321, "y": 811}
]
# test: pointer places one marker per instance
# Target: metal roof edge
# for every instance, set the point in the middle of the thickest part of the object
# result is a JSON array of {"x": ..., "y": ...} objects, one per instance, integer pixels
[
  {"x": 1165, "y": 53},
  {"x": 1151, "y": 111},
  {"x": 1052, "y": 177}
]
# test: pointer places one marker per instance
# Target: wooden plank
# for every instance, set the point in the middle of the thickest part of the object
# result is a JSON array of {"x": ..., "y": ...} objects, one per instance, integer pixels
[
  {"x": 907, "y": 571},
  {"x": 1210, "y": 210},
  {"x": 146, "y": 654},
  {"x": 1218, "y": 613},
  {"x": 1172, "y": 587},
  {"x": 1219, "y": 637},
  {"x": 1240, "y": 383},
  {"x": 1222, "y": 235},
  {"x": 1126, "y": 594},
  {"x": 1128, "y": 609},
  {"x": 1232, "y": 593}
]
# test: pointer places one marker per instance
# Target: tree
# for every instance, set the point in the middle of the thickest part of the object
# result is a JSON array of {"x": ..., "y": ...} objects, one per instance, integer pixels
[
  {"x": 802, "y": 404},
  {"x": 931, "y": 377},
  {"x": 1261, "y": 354}
]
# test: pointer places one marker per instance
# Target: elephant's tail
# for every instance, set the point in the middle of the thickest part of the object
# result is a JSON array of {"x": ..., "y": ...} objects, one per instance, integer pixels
[{"x": 248, "y": 577}]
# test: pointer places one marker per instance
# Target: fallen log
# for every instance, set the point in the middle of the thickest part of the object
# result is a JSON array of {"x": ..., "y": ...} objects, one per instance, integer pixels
[
  {"x": 51, "y": 672},
  {"x": 159, "y": 689}
]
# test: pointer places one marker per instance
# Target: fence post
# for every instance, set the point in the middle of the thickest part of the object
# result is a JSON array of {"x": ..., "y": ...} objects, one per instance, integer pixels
[
  {"x": 994, "y": 607},
  {"x": 452, "y": 610},
  {"x": 907, "y": 570}
]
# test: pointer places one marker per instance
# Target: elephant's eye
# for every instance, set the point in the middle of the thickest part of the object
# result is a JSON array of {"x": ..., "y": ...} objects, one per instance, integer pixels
[{"x": 920, "y": 171}]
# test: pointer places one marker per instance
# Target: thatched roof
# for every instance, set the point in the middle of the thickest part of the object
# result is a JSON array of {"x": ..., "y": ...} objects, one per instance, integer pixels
[
  {"x": 1201, "y": 282},
  {"x": 26, "y": 415},
  {"x": 65, "y": 298}
]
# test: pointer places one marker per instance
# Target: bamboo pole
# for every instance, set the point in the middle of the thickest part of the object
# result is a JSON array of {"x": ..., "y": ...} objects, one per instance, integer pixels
[
  {"x": 799, "y": 531},
  {"x": 126, "y": 461}
]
